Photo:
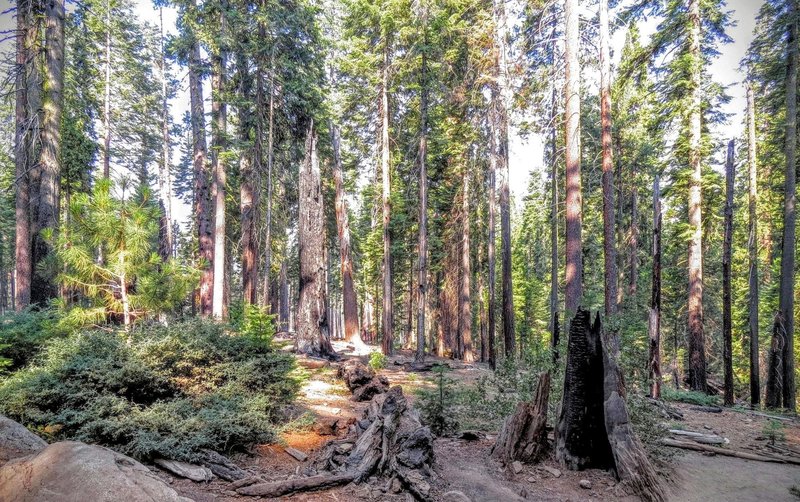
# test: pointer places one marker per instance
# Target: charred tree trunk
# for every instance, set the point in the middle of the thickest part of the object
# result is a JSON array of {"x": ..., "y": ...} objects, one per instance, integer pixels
[
  {"x": 572, "y": 119},
  {"x": 312, "y": 324},
  {"x": 752, "y": 244},
  {"x": 727, "y": 325},
  {"x": 654, "y": 319},
  {"x": 697, "y": 348},
  {"x": 44, "y": 288},
  {"x": 349, "y": 299},
  {"x": 202, "y": 196}
]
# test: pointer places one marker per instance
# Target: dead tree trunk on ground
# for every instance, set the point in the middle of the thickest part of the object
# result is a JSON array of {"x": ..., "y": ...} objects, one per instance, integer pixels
[{"x": 524, "y": 434}]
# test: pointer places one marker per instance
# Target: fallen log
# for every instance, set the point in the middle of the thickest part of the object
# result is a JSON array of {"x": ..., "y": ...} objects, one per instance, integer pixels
[
  {"x": 523, "y": 436},
  {"x": 221, "y": 466},
  {"x": 783, "y": 455},
  {"x": 666, "y": 410},
  {"x": 706, "y": 409},
  {"x": 766, "y": 415},
  {"x": 312, "y": 483},
  {"x": 720, "y": 451},
  {"x": 699, "y": 437}
]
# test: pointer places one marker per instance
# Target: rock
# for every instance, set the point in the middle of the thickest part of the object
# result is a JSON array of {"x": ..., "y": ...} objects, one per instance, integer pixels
[
  {"x": 71, "y": 471},
  {"x": 585, "y": 484},
  {"x": 555, "y": 472},
  {"x": 531, "y": 479},
  {"x": 396, "y": 486},
  {"x": 471, "y": 435},
  {"x": 516, "y": 466},
  {"x": 17, "y": 441},
  {"x": 297, "y": 454},
  {"x": 185, "y": 470},
  {"x": 455, "y": 496}
]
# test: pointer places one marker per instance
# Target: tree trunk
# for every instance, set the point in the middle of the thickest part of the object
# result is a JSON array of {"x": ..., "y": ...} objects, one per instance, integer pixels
[
  {"x": 25, "y": 42},
  {"x": 270, "y": 158},
  {"x": 43, "y": 289},
  {"x": 609, "y": 221},
  {"x": 312, "y": 324},
  {"x": 107, "y": 98},
  {"x": 697, "y": 350},
  {"x": 202, "y": 197},
  {"x": 654, "y": 319},
  {"x": 633, "y": 244},
  {"x": 786, "y": 302},
  {"x": 388, "y": 311},
  {"x": 422, "y": 281},
  {"x": 465, "y": 305},
  {"x": 283, "y": 316},
  {"x": 164, "y": 181},
  {"x": 523, "y": 436},
  {"x": 349, "y": 299},
  {"x": 727, "y": 326},
  {"x": 248, "y": 195},
  {"x": 554, "y": 328},
  {"x": 219, "y": 118},
  {"x": 490, "y": 244},
  {"x": 572, "y": 114},
  {"x": 752, "y": 244}
]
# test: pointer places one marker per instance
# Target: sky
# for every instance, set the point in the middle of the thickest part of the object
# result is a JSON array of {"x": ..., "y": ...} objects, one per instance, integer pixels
[{"x": 526, "y": 155}]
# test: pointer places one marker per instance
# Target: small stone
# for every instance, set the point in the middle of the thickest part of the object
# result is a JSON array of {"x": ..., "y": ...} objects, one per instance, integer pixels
[
  {"x": 455, "y": 496},
  {"x": 517, "y": 466},
  {"x": 585, "y": 484},
  {"x": 555, "y": 472},
  {"x": 707, "y": 427},
  {"x": 297, "y": 454},
  {"x": 396, "y": 486},
  {"x": 531, "y": 479}
]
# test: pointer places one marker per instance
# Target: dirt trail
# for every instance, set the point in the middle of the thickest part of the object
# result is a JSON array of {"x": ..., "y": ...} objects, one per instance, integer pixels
[{"x": 466, "y": 466}]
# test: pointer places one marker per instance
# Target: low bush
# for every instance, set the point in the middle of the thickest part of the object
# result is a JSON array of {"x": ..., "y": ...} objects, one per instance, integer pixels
[
  {"x": 689, "y": 396},
  {"x": 23, "y": 334},
  {"x": 168, "y": 391},
  {"x": 377, "y": 360}
]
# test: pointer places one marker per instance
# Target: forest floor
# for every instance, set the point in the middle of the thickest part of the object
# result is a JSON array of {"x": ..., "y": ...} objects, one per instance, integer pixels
[{"x": 466, "y": 466}]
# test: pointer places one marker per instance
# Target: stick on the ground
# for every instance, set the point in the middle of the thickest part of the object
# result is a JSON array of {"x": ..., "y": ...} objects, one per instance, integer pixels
[
  {"x": 720, "y": 451},
  {"x": 278, "y": 488},
  {"x": 699, "y": 437}
]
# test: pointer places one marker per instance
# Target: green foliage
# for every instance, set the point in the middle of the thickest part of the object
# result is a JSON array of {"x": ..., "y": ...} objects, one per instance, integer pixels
[
  {"x": 23, "y": 334},
  {"x": 774, "y": 430},
  {"x": 436, "y": 405},
  {"x": 377, "y": 360},
  {"x": 169, "y": 392},
  {"x": 253, "y": 321},
  {"x": 649, "y": 426},
  {"x": 689, "y": 396}
]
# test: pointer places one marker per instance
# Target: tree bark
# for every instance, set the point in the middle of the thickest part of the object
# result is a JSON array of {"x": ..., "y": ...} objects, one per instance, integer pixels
[
  {"x": 349, "y": 299},
  {"x": 422, "y": 281},
  {"x": 219, "y": 118},
  {"x": 654, "y": 319},
  {"x": 270, "y": 161},
  {"x": 248, "y": 195},
  {"x": 202, "y": 196},
  {"x": 43, "y": 289},
  {"x": 752, "y": 244},
  {"x": 572, "y": 114},
  {"x": 523, "y": 436},
  {"x": 107, "y": 98},
  {"x": 727, "y": 325},
  {"x": 25, "y": 40},
  {"x": 164, "y": 179},
  {"x": 465, "y": 305},
  {"x": 697, "y": 354},
  {"x": 387, "y": 343},
  {"x": 312, "y": 324}
]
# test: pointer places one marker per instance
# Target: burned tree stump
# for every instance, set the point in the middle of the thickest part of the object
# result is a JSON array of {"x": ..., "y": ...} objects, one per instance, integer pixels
[
  {"x": 361, "y": 380},
  {"x": 594, "y": 428},
  {"x": 524, "y": 434},
  {"x": 394, "y": 444}
]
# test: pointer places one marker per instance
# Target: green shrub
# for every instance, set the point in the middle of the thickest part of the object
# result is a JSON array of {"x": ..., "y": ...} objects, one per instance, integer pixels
[
  {"x": 689, "y": 396},
  {"x": 774, "y": 431},
  {"x": 171, "y": 392},
  {"x": 436, "y": 405},
  {"x": 377, "y": 360},
  {"x": 253, "y": 321},
  {"x": 23, "y": 334}
]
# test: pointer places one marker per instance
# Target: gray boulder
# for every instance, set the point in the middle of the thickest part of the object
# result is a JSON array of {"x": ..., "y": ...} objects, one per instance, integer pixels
[{"x": 17, "y": 441}]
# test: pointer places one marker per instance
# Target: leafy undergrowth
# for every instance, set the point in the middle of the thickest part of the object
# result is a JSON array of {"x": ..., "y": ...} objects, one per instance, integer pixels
[
  {"x": 689, "y": 397},
  {"x": 169, "y": 391}
]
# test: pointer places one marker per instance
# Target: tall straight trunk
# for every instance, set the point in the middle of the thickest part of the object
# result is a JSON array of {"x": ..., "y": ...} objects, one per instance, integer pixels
[
  {"x": 727, "y": 326},
  {"x": 573, "y": 291},
  {"x": 465, "y": 306},
  {"x": 481, "y": 305},
  {"x": 270, "y": 156},
  {"x": 164, "y": 181},
  {"x": 388, "y": 314},
  {"x": 491, "y": 236},
  {"x": 554, "y": 328},
  {"x": 44, "y": 288},
  {"x": 25, "y": 40},
  {"x": 501, "y": 100},
  {"x": 752, "y": 245},
  {"x": 633, "y": 242},
  {"x": 609, "y": 221},
  {"x": 654, "y": 320},
  {"x": 248, "y": 196},
  {"x": 349, "y": 299},
  {"x": 219, "y": 119},
  {"x": 697, "y": 349},
  {"x": 202, "y": 196},
  {"x": 107, "y": 98},
  {"x": 422, "y": 281},
  {"x": 312, "y": 324},
  {"x": 283, "y": 311},
  {"x": 786, "y": 302}
]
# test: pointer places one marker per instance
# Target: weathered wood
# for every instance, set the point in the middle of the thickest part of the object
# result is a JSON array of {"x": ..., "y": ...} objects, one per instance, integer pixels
[
  {"x": 706, "y": 409},
  {"x": 524, "y": 434},
  {"x": 362, "y": 380},
  {"x": 279, "y": 488},
  {"x": 296, "y": 454},
  {"x": 221, "y": 466},
  {"x": 720, "y": 451},
  {"x": 666, "y": 410},
  {"x": 699, "y": 437}
]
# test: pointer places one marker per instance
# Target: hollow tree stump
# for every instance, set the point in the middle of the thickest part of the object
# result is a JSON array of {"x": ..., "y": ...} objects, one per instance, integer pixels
[
  {"x": 524, "y": 434},
  {"x": 361, "y": 380}
]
